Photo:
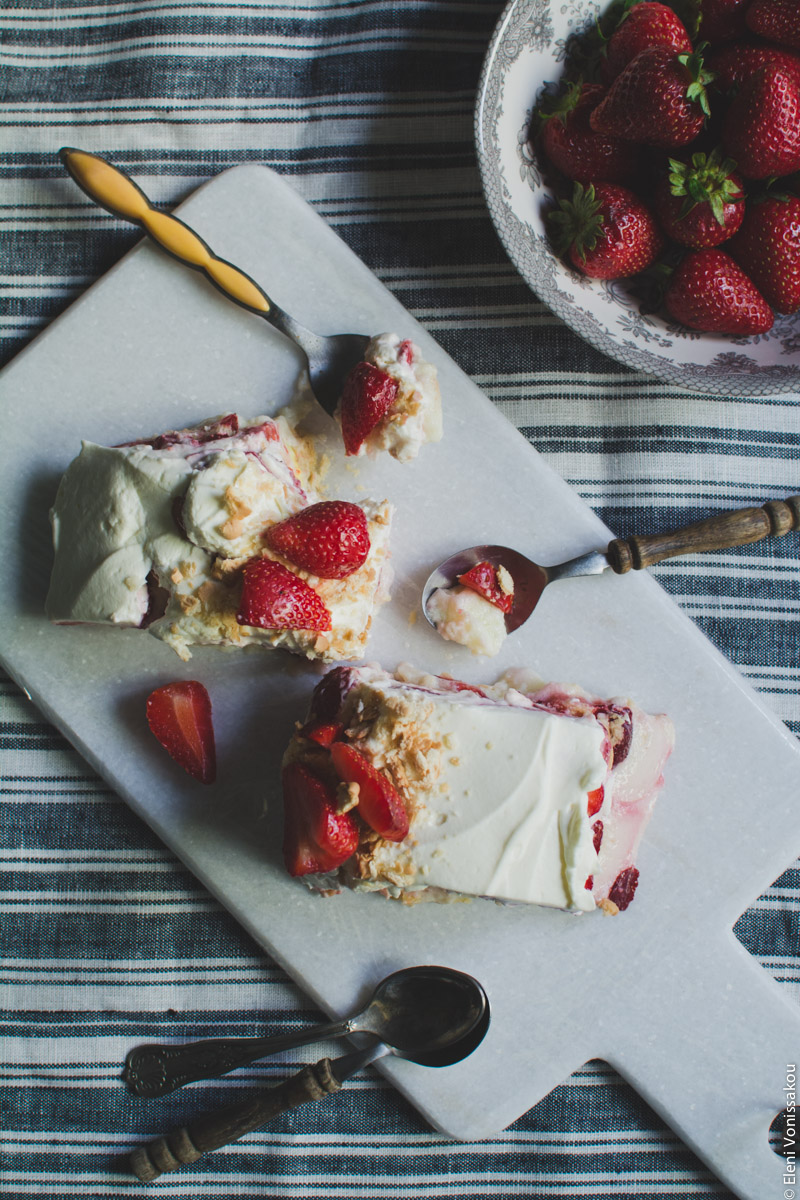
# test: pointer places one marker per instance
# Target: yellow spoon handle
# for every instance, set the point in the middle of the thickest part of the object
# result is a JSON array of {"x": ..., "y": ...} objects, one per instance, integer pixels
[{"x": 115, "y": 191}]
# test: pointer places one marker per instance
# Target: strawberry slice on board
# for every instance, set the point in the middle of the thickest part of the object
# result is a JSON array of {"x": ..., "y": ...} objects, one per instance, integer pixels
[
  {"x": 275, "y": 598},
  {"x": 315, "y": 836},
  {"x": 367, "y": 396},
  {"x": 493, "y": 583},
  {"x": 329, "y": 539},
  {"x": 179, "y": 715},
  {"x": 379, "y": 803}
]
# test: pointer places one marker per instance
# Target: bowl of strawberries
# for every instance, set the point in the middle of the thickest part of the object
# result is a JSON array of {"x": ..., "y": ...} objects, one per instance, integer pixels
[{"x": 641, "y": 164}]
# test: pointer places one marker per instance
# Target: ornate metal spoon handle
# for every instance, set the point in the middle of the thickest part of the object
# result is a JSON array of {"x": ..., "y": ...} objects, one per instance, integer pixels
[{"x": 157, "y": 1070}]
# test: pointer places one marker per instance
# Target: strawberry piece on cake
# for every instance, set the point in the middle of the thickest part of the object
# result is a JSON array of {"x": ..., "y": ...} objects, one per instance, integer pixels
[
  {"x": 379, "y": 803},
  {"x": 330, "y": 539},
  {"x": 179, "y": 716},
  {"x": 317, "y": 837},
  {"x": 515, "y": 791},
  {"x": 274, "y": 598},
  {"x": 391, "y": 400}
]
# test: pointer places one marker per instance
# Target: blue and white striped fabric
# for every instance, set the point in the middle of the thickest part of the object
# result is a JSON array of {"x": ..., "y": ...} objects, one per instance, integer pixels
[{"x": 367, "y": 106}]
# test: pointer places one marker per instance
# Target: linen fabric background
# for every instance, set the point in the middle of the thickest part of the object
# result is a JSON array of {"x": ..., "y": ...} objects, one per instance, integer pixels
[{"x": 365, "y": 106}]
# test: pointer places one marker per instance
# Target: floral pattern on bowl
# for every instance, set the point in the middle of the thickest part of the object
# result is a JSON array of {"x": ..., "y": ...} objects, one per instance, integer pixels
[{"x": 528, "y": 50}]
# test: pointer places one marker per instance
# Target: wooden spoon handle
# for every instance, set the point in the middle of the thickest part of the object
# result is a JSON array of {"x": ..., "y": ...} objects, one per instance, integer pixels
[
  {"x": 115, "y": 191},
  {"x": 209, "y": 1131},
  {"x": 735, "y": 528}
]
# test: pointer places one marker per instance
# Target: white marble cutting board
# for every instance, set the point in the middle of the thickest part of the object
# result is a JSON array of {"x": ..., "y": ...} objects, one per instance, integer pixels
[{"x": 664, "y": 992}]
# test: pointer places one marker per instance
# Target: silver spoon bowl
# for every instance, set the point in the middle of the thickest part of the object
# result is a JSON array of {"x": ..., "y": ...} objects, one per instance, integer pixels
[
  {"x": 735, "y": 528},
  {"x": 419, "y": 1006},
  {"x": 329, "y": 358}
]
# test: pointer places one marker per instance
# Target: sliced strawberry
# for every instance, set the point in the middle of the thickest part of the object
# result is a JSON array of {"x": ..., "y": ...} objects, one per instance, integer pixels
[
  {"x": 379, "y": 803},
  {"x": 367, "y": 396},
  {"x": 406, "y": 351},
  {"x": 179, "y": 714},
  {"x": 274, "y": 598},
  {"x": 330, "y": 539},
  {"x": 595, "y": 801},
  {"x": 324, "y": 733},
  {"x": 487, "y": 580},
  {"x": 315, "y": 836},
  {"x": 597, "y": 836}
]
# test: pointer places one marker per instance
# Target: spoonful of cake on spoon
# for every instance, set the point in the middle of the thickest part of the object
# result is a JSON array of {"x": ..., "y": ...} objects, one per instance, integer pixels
[{"x": 479, "y": 595}]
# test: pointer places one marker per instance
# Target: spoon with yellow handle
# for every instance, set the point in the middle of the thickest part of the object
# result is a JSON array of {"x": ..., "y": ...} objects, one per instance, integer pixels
[{"x": 329, "y": 358}]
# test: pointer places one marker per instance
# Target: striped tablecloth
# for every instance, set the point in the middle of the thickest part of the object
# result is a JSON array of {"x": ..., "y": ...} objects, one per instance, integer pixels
[{"x": 366, "y": 105}]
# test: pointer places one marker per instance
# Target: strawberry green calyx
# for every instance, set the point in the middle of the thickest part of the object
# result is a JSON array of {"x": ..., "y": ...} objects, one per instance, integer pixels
[
  {"x": 699, "y": 77},
  {"x": 705, "y": 179},
  {"x": 561, "y": 105},
  {"x": 577, "y": 222}
]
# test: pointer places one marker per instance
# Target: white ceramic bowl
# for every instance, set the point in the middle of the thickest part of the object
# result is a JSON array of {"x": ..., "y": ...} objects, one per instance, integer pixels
[{"x": 526, "y": 51}]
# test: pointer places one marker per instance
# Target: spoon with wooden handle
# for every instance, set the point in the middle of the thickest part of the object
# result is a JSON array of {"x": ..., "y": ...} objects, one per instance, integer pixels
[
  {"x": 329, "y": 358},
  {"x": 209, "y": 1131},
  {"x": 736, "y": 528}
]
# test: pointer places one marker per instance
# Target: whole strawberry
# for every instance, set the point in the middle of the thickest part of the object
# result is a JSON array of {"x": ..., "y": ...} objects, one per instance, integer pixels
[
  {"x": 659, "y": 100},
  {"x": 762, "y": 126},
  {"x": 330, "y": 539},
  {"x": 700, "y": 202},
  {"x": 722, "y": 20},
  {"x": 606, "y": 231},
  {"x": 734, "y": 64},
  {"x": 711, "y": 293},
  {"x": 778, "y": 20},
  {"x": 644, "y": 25},
  {"x": 767, "y": 247},
  {"x": 571, "y": 144}
]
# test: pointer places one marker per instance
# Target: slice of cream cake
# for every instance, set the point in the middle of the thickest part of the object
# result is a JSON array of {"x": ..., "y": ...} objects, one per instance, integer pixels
[
  {"x": 166, "y": 534},
  {"x": 425, "y": 788}
]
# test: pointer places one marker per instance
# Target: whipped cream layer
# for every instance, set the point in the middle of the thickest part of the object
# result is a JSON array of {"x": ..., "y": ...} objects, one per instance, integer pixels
[
  {"x": 512, "y": 789},
  {"x": 462, "y": 615},
  {"x": 155, "y": 533},
  {"x": 416, "y": 415}
]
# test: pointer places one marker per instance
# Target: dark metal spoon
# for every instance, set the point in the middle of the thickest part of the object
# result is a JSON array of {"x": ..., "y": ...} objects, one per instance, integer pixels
[
  {"x": 738, "y": 527},
  {"x": 209, "y": 1131},
  {"x": 329, "y": 358},
  {"x": 418, "y": 1006}
]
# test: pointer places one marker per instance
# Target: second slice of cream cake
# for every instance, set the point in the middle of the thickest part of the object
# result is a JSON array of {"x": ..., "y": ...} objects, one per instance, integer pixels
[
  {"x": 518, "y": 791},
  {"x": 156, "y": 534}
]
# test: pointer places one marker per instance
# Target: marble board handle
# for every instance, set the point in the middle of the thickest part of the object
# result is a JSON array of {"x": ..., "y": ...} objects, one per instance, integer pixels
[{"x": 736, "y": 528}]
